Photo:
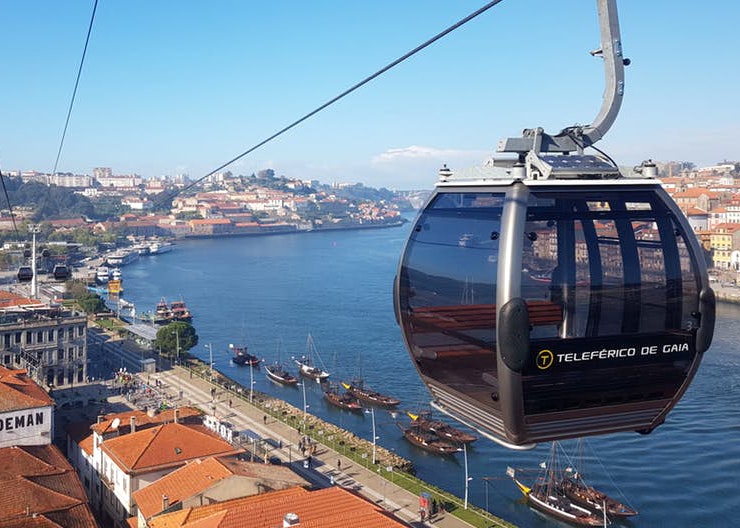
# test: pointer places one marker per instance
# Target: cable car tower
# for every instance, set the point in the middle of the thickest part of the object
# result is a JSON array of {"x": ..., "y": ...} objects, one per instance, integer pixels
[{"x": 592, "y": 307}]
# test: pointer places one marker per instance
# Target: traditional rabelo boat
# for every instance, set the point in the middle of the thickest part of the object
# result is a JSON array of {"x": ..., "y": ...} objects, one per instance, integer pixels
[
  {"x": 340, "y": 399},
  {"x": 243, "y": 358},
  {"x": 306, "y": 365},
  {"x": 277, "y": 373},
  {"x": 358, "y": 389},
  {"x": 579, "y": 492},
  {"x": 429, "y": 441},
  {"x": 424, "y": 421},
  {"x": 574, "y": 486},
  {"x": 545, "y": 497}
]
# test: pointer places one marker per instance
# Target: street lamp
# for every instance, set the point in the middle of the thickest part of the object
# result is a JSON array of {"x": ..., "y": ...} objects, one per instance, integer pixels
[
  {"x": 305, "y": 406},
  {"x": 467, "y": 479},
  {"x": 210, "y": 359},
  {"x": 371, "y": 410}
]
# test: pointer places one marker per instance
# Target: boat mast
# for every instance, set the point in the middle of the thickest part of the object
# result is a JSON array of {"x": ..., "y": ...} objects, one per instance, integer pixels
[{"x": 575, "y": 139}]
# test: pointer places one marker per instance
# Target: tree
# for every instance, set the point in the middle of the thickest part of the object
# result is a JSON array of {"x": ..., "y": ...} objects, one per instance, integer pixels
[
  {"x": 91, "y": 303},
  {"x": 168, "y": 337}
]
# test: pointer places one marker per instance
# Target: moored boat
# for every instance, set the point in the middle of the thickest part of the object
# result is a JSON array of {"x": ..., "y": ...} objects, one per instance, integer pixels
[
  {"x": 277, "y": 373},
  {"x": 424, "y": 421},
  {"x": 343, "y": 400},
  {"x": 358, "y": 389},
  {"x": 306, "y": 365},
  {"x": 243, "y": 358},
  {"x": 579, "y": 492},
  {"x": 429, "y": 441},
  {"x": 180, "y": 312},
  {"x": 548, "y": 500}
]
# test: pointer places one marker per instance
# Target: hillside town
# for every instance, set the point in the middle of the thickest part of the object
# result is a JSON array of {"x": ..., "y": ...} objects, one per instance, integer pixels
[{"x": 222, "y": 205}]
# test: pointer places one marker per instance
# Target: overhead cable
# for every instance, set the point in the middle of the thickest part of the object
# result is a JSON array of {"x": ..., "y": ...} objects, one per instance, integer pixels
[{"x": 338, "y": 97}]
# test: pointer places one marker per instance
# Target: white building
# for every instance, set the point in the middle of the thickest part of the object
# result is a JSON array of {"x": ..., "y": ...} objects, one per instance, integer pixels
[{"x": 26, "y": 410}]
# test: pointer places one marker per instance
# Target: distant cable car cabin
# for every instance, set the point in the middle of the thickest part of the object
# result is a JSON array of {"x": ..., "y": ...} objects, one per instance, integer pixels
[
  {"x": 25, "y": 274},
  {"x": 556, "y": 299},
  {"x": 61, "y": 272}
]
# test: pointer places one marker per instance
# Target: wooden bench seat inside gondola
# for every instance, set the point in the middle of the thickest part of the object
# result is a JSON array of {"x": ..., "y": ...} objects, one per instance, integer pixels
[{"x": 454, "y": 321}]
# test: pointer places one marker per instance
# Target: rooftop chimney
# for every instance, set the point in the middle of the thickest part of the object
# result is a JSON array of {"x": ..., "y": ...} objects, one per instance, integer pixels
[
  {"x": 133, "y": 424},
  {"x": 165, "y": 502},
  {"x": 290, "y": 519},
  {"x": 176, "y": 413},
  {"x": 100, "y": 418}
]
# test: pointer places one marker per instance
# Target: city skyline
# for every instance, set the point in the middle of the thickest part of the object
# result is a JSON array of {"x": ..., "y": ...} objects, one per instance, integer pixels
[{"x": 181, "y": 88}]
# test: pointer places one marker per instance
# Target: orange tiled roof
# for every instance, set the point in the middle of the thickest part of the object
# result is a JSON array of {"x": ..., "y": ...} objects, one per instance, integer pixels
[
  {"x": 38, "y": 480},
  {"x": 333, "y": 507},
  {"x": 185, "y": 414},
  {"x": 18, "y": 391},
  {"x": 167, "y": 445},
  {"x": 198, "y": 475}
]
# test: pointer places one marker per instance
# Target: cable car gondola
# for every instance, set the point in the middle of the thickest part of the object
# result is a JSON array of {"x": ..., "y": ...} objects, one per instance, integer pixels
[
  {"x": 61, "y": 272},
  {"x": 555, "y": 298},
  {"x": 25, "y": 274}
]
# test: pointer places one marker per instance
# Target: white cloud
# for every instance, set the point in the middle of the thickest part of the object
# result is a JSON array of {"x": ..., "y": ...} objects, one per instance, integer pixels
[{"x": 416, "y": 152}]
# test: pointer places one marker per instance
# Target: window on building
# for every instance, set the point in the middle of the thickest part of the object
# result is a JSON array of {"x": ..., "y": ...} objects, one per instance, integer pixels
[
  {"x": 40, "y": 336},
  {"x": 60, "y": 354},
  {"x": 18, "y": 337},
  {"x": 70, "y": 333},
  {"x": 29, "y": 337},
  {"x": 6, "y": 340},
  {"x": 6, "y": 359},
  {"x": 51, "y": 335}
]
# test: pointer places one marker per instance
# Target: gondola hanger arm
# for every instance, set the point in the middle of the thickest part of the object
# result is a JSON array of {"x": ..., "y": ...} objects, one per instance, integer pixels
[{"x": 575, "y": 139}]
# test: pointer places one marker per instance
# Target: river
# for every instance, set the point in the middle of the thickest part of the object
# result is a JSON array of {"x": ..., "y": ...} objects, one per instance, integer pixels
[{"x": 271, "y": 292}]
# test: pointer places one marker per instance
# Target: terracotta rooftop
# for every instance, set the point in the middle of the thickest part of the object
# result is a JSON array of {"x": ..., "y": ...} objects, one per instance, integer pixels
[
  {"x": 143, "y": 420},
  {"x": 38, "y": 487},
  {"x": 333, "y": 507},
  {"x": 199, "y": 475},
  {"x": 18, "y": 391},
  {"x": 168, "y": 445}
]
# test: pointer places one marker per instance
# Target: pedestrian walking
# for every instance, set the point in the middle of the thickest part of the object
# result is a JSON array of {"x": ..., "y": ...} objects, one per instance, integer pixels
[
  {"x": 339, "y": 464},
  {"x": 264, "y": 419},
  {"x": 229, "y": 402}
]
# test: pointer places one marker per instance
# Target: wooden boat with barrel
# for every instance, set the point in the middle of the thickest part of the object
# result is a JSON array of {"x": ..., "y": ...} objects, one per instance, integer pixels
[
  {"x": 340, "y": 399},
  {"x": 579, "y": 492},
  {"x": 545, "y": 497},
  {"x": 358, "y": 389},
  {"x": 424, "y": 420},
  {"x": 429, "y": 441}
]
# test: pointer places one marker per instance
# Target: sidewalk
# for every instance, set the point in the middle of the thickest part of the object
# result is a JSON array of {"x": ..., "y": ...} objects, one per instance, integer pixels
[{"x": 325, "y": 463}]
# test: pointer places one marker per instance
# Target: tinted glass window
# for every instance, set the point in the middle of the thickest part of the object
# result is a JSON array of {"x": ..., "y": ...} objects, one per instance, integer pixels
[
  {"x": 619, "y": 269},
  {"x": 447, "y": 286}
]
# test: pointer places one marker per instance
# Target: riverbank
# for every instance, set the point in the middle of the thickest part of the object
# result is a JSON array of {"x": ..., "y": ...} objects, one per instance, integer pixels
[{"x": 341, "y": 456}]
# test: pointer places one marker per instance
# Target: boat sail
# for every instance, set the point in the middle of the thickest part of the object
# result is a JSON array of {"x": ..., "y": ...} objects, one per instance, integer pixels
[{"x": 306, "y": 364}]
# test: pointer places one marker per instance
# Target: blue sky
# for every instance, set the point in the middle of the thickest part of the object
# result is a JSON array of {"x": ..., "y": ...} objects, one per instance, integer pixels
[{"x": 174, "y": 87}]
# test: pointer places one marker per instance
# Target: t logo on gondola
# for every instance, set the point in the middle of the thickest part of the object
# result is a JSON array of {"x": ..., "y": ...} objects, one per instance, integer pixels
[{"x": 545, "y": 359}]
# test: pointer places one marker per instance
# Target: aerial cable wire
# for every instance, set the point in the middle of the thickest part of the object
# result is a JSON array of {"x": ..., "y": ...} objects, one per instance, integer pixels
[
  {"x": 10, "y": 206},
  {"x": 74, "y": 92},
  {"x": 348, "y": 91}
]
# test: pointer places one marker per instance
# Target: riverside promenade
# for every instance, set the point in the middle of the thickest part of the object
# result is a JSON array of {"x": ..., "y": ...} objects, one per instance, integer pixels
[{"x": 327, "y": 466}]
